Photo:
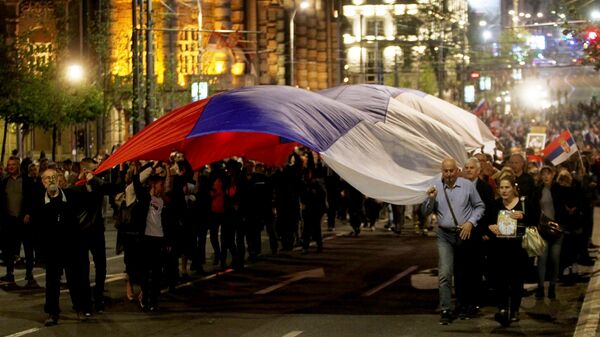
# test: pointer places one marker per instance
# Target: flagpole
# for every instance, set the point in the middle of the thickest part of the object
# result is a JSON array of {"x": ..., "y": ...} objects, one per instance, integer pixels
[{"x": 583, "y": 170}]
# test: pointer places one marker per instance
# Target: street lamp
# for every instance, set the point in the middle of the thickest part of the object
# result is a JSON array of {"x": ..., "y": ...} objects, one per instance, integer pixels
[
  {"x": 74, "y": 73},
  {"x": 486, "y": 35},
  {"x": 303, "y": 5}
]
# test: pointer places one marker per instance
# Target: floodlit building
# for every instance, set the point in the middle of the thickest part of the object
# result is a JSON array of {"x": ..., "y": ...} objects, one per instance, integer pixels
[
  {"x": 400, "y": 42},
  {"x": 198, "y": 47}
]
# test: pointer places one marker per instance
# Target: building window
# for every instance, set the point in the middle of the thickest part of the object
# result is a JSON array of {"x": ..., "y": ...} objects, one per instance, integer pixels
[
  {"x": 374, "y": 27},
  {"x": 188, "y": 52},
  {"x": 40, "y": 54},
  {"x": 407, "y": 25}
]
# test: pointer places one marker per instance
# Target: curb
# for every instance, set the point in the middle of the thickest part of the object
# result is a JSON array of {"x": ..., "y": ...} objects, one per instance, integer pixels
[{"x": 589, "y": 317}]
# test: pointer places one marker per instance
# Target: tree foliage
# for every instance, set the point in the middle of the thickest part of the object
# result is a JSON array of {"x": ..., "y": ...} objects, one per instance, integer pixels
[{"x": 584, "y": 33}]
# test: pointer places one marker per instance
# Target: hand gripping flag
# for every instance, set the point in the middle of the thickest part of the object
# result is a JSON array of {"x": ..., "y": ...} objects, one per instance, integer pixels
[{"x": 560, "y": 149}]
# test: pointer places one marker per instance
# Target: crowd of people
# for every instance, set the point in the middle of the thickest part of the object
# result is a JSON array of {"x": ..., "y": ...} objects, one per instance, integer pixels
[
  {"x": 482, "y": 214},
  {"x": 164, "y": 211}
]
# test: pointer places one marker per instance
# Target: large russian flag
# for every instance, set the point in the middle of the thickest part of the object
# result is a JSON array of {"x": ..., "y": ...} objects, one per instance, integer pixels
[{"x": 560, "y": 149}]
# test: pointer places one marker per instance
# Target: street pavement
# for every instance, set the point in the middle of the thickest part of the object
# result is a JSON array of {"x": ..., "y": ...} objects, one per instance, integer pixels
[{"x": 377, "y": 284}]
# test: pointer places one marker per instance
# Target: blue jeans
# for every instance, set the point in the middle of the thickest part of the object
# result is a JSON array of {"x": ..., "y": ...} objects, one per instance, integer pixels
[
  {"x": 446, "y": 242},
  {"x": 550, "y": 260}
]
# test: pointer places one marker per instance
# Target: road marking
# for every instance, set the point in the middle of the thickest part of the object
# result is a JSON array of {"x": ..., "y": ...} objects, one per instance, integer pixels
[
  {"x": 91, "y": 264},
  {"x": 312, "y": 273},
  {"x": 293, "y": 334},
  {"x": 390, "y": 281},
  {"x": 23, "y": 333}
]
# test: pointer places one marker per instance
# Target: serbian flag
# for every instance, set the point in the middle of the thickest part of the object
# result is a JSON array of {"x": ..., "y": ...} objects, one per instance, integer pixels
[
  {"x": 481, "y": 108},
  {"x": 561, "y": 148}
]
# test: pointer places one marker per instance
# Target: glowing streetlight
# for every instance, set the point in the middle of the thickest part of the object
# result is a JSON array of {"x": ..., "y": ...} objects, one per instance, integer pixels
[
  {"x": 74, "y": 73},
  {"x": 486, "y": 35},
  {"x": 303, "y": 5},
  {"x": 482, "y": 23},
  {"x": 595, "y": 15}
]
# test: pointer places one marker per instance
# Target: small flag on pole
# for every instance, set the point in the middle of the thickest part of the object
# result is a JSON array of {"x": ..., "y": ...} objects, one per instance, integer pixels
[
  {"x": 481, "y": 108},
  {"x": 560, "y": 149}
]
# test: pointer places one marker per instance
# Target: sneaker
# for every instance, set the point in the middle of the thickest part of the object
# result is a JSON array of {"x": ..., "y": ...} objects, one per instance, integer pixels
[
  {"x": 8, "y": 278},
  {"x": 446, "y": 317},
  {"x": 52, "y": 320},
  {"x": 83, "y": 316},
  {"x": 514, "y": 317}
]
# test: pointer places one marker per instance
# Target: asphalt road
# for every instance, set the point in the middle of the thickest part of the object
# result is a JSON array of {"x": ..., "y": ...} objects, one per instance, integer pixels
[
  {"x": 377, "y": 284},
  {"x": 580, "y": 82}
]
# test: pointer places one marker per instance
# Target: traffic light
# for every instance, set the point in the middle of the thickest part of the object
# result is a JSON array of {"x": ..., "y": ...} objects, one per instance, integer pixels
[
  {"x": 474, "y": 75},
  {"x": 591, "y": 36}
]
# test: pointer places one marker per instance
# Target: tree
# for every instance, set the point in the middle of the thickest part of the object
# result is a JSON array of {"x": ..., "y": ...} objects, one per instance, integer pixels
[
  {"x": 585, "y": 33},
  {"x": 34, "y": 94},
  {"x": 445, "y": 38}
]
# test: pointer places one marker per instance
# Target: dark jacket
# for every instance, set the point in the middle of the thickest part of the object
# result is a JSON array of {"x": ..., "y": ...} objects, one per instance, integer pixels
[
  {"x": 525, "y": 185},
  {"x": 486, "y": 193},
  {"x": 570, "y": 197},
  {"x": 90, "y": 216},
  {"x": 56, "y": 225},
  {"x": 554, "y": 191},
  {"x": 28, "y": 190}
]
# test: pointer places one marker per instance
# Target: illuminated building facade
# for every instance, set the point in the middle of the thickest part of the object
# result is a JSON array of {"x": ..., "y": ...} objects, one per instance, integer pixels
[
  {"x": 208, "y": 45},
  {"x": 388, "y": 42}
]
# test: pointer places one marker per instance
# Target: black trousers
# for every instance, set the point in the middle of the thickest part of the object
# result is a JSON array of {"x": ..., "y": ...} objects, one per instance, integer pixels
[
  {"x": 55, "y": 265},
  {"x": 509, "y": 262},
  {"x": 467, "y": 271},
  {"x": 14, "y": 233},
  {"x": 312, "y": 229},
  {"x": 151, "y": 263},
  {"x": 95, "y": 243}
]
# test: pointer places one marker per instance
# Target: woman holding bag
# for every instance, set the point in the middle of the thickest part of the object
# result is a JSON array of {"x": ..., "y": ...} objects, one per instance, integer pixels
[
  {"x": 547, "y": 196},
  {"x": 508, "y": 259}
]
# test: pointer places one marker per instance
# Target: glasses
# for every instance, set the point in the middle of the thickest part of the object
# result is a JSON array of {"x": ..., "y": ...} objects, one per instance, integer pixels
[{"x": 50, "y": 178}]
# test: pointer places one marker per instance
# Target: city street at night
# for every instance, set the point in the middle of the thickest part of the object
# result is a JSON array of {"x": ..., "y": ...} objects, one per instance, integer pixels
[{"x": 377, "y": 284}]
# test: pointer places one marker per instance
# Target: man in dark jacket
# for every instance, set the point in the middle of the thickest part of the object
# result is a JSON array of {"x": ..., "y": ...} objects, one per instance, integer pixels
[
  {"x": 16, "y": 194},
  {"x": 525, "y": 182},
  {"x": 55, "y": 219},
  {"x": 92, "y": 190},
  {"x": 475, "y": 248}
]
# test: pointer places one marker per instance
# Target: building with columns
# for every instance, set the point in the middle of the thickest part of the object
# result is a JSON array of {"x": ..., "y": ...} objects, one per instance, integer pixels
[
  {"x": 396, "y": 42},
  {"x": 204, "y": 46}
]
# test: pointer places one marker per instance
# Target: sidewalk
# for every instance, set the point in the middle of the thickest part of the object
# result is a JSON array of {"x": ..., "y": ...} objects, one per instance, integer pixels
[{"x": 589, "y": 317}]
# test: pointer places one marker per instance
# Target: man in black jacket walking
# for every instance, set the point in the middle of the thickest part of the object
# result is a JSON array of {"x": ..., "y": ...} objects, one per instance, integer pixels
[{"x": 55, "y": 218}]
